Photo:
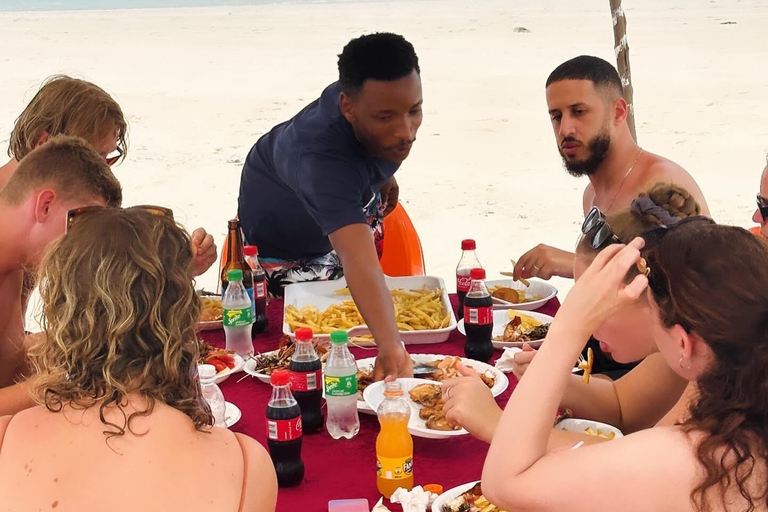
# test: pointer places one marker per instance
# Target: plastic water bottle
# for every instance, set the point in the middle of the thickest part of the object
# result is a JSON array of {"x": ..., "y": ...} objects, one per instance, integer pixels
[
  {"x": 238, "y": 315},
  {"x": 212, "y": 393},
  {"x": 341, "y": 389}
]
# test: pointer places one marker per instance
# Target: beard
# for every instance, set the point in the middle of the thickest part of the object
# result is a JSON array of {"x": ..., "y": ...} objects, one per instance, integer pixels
[{"x": 598, "y": 149}]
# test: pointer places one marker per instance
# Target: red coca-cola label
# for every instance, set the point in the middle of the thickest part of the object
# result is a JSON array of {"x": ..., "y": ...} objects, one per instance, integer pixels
[
  {"x": 478, "y": 316},
  {"x": 462, "y": 283},
  {"x": 284, "y": 430},
  {"x": 309, "y": 381},
  {"x": 260, "y": 290}
]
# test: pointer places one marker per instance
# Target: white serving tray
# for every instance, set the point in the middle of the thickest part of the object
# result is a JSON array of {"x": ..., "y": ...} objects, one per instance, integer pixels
[{"x": 321, "y": 295}]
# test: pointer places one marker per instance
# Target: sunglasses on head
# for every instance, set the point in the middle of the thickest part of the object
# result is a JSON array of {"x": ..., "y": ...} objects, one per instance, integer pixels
[
  {"x": 596, "y": 227},
  {"x": 762, "y": 205},
  {"x": 114, "y": 156},
  {"x": 79, "y": 212}
]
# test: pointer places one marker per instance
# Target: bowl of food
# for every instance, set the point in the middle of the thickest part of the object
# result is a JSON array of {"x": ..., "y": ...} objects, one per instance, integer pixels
[
  {"x": 464, "y": 498},
  {"x": 593, "y": 428},
  {"x": 225, "y": 361},
  {"x": 511, "y": 294},
  {"x": 211, "y": 314},
  {"x": 262, "y": 365}
]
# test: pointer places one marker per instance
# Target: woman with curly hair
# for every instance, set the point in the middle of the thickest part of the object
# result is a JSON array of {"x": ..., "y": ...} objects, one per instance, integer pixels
[
  {"x": 707, "y": 287},
  {"x": 121, "y": 424},
  {"x": 652, "y": 393}
]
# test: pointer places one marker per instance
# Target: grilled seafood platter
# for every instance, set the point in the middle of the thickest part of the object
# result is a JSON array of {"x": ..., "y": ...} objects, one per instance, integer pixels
[
  {"x": 430, "y": 398},
  {"x": 522, "y": 328}
]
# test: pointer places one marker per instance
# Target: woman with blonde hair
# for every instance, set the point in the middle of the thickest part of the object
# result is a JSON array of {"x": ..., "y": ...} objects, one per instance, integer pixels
[{"x": 121, "y": 423}]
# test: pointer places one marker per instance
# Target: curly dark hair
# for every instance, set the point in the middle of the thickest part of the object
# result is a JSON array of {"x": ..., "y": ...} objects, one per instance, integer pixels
[
  {"x": 120, "y": 313},
  {"x": 712, "y": 280},
  {"x": 381, "y": 56}
]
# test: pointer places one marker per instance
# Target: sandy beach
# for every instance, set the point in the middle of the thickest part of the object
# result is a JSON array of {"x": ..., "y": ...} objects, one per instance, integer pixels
[{"x": 200, "y": 85}]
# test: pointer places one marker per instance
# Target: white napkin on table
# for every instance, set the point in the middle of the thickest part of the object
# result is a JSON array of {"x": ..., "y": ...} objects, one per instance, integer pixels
[
  {"x": 415, "y": 500},
  {"x": 505, "y": 362}
]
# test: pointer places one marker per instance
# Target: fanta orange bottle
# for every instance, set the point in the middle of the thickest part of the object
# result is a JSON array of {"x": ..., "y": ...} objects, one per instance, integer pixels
[{"x": 394, "y": 446}]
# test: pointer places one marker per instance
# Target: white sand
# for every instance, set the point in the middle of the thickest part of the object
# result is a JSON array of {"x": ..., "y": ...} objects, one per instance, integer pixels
[{"x": 199, "y": 86}]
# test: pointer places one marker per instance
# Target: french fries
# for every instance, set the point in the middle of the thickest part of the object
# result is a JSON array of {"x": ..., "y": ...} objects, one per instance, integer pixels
[
  {"x": 211, "y": 310},
  {"x": 415, "y": 310},
  {"x": 587, "y": 365}
]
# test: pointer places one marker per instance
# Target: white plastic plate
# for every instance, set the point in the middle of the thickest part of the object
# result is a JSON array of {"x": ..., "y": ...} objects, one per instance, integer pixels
[
  {"x": 224, "y": 374},
  {"x": 501, "y": 319},
  {"x": 501, "y": 382},
  {"x": 450, "y": 495},
  {"x": 538, "y": 288},
  {"x": 374, "y": 395},
  {"x": 577, "y": 425}
]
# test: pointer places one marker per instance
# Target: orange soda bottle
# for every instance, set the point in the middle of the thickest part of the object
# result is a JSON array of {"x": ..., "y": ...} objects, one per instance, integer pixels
[{"x": 394, "y": 445}]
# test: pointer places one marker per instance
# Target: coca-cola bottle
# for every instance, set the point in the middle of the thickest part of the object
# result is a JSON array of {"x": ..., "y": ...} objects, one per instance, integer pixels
[
  {"x": 259, "y": 289},
  {"x": 307, "y": 381},
  {"x": 478, "y": 318},
  {"x": 467, "y": 262},
  {"x": 284, "y": 431}
]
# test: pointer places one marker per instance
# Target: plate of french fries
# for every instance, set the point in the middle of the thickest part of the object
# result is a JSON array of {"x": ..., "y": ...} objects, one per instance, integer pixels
[
  {"x": 422, "y": 310},
  {"x": 211, "y": 313},
  {"x": 511, "y": 294}
]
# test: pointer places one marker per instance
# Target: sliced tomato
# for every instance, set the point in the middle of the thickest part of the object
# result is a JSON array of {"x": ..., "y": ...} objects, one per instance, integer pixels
[
  {"x": 228, "y": 359},
  {"x": 218, "y": 364}
]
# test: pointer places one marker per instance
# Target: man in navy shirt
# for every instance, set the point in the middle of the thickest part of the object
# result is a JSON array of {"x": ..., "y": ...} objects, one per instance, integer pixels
[{"x": 315, "y": 188}]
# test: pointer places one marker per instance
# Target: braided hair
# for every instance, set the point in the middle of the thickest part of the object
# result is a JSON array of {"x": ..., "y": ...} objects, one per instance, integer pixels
[{"x": 665, "y": 205}]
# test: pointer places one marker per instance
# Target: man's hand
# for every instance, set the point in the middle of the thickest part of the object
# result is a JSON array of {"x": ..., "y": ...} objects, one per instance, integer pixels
[
  {"x": 204, "y": 250},
  {"x": 390, "y": 192},
  {"x": 392, "y": 363},
  {"x": 470, "y": 404},
  {"x": 544, "y": 262}
]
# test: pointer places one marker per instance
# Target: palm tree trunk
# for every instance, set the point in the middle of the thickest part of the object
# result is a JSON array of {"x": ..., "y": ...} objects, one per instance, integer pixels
[{"x": 621, "y": 47}]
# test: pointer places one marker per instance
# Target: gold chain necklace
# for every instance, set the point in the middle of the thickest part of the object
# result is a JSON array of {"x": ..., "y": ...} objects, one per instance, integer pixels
[{"x": 622, "y": 182}]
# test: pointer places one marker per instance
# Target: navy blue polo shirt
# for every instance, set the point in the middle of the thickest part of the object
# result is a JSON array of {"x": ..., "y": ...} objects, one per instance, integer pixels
[{"x": 305, "y": 179}]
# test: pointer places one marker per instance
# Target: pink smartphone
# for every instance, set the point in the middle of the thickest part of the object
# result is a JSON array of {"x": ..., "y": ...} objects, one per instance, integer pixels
[{"x": 360, "y": 505}]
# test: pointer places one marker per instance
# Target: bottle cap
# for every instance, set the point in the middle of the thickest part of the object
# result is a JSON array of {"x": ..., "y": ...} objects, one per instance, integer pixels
[
  {"x": 235, "y": 275},
  {"x": 206, "y": 371},
  {"x": 393, "y": 389},
  {"x": 304, "y": 334},
  {"x": 477, "y": 273},
  {"x": 339, "y": 337},
  {"x": 251, "y": 250},
  {"x": 280, "y": 378},
  {"x": 468, "y": 245}
]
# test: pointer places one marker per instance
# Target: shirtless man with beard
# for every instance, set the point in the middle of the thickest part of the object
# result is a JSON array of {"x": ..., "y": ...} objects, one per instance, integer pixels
[{"x": 589, "y": 118}]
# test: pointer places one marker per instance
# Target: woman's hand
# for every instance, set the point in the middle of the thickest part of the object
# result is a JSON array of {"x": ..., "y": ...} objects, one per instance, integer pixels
[
  {"x": 601, "y": 291},
  {"x": 521, "y": 360},
  {"x": 470, "y": 404}
]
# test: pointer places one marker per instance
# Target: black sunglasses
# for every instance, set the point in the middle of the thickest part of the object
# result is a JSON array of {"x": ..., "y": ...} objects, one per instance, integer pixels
[
  {"x": 79, "y": 212},
  {"x": 762, "y": 205},
  {"x": 596, "y": 227}
]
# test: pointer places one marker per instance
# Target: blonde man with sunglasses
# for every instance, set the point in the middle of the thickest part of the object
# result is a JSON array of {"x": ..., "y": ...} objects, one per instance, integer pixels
[
  {"x": 70, "y": 106},
  {"x": 64, "y": 174}
]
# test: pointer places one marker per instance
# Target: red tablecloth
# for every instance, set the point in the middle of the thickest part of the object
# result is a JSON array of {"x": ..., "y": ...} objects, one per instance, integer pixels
[{"x": 343, "y": 469}]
